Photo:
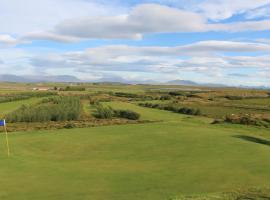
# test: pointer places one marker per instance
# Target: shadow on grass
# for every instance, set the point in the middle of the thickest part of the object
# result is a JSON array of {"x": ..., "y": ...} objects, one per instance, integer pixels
[{"x": 253, "y": 139}]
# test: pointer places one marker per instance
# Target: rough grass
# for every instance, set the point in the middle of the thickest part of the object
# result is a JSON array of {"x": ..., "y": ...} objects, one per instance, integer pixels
[{"x": 175, "y": 157}]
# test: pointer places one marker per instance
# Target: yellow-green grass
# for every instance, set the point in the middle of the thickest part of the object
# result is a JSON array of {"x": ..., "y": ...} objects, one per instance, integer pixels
[
  {"x": 13, "y": 105},
  {"x": 178, "y": 156}
]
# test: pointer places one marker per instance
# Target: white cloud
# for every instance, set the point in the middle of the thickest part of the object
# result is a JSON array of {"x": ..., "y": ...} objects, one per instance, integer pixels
[
  {"x": 264, "y": 74},
  {"x": 48, "y": 36},
  {"x": 15, "y": 61},
  {"x": 87, "y": 21},
  {"x": 264, "y": 40},
  {"x": 150, "y": 61},
  {"x": 147, "y": 19},
  {"x": 20, "y": 17},
  {"x": 7, "y": 40},
  {"x": 225, "y": 46},
  {"x": 241, "y": 26},
  {"x": 159, "y": 59},
  {"x": 261, "y": 12},
  {"x": 223, "y": 9}
]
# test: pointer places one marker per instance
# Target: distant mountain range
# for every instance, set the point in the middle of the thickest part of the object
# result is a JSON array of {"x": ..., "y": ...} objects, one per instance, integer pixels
[
  {"x": 113, "y": 80},
  {"x": 191, "y": 83},
  {"x": 181, "y": 82}
]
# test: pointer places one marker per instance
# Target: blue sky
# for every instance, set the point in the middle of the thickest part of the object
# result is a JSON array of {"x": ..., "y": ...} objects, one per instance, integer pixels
[{"x": 213, "y": 41}]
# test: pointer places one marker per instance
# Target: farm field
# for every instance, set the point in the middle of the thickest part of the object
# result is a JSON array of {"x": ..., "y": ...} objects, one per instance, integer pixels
[{"x": 166, "y": 156}]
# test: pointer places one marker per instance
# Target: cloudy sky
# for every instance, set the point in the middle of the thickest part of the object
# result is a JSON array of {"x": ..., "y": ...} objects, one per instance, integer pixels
[{"x": 213, "y": 41}]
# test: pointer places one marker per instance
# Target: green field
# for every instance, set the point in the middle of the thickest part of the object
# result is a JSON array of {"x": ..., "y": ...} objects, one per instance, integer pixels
[
  {"x": 10, "y": 106},
  {"x": 179, "y": 156}
]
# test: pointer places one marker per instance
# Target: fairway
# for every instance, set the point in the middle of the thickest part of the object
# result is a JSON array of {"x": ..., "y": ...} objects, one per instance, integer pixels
[{"x": 145, "y": 161}]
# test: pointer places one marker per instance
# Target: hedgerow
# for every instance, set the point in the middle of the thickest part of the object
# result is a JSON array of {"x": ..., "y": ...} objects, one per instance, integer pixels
[{"x": 173, "y": 108}]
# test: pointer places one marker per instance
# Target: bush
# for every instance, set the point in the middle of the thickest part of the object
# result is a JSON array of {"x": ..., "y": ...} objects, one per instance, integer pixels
[
  {"x": 173, "y": 108},
  {"x": 128, "y": 114},
  {"x": 165, "y": 97},
  {"x": 177, "y": 93},
  {"x": 217, "y": 121},
  {"x": 248, "y": 119},
  {"x": 73, "y": 88},
  {"x": 189, "y": 111},
  {"x": 70, "y": 125},
  {"x": 241, "y": 119},
  {"x": 127, "y": 95},
  {"x": 104, "y": 112},
  {"x": 230, "y": 97},
  {"x": 108, "y": 113}
]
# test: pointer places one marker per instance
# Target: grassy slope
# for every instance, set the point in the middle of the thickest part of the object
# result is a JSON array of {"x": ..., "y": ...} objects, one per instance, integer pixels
[{"x": 147, "y": 161}]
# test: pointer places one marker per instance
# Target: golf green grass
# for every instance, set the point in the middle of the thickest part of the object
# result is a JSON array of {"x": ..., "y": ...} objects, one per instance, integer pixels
[{"x": 177, "y": 156}]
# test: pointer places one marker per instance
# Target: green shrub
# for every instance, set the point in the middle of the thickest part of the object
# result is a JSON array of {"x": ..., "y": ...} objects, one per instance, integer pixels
[
  {"x": 73, "y": 88},
  {"x": 70, "y": 125},
  {"x": 104, "y": 112},
  {"x": 189, "y": 111},
  {"x": 128, "y": 114},
  {"x": 177, "y": 93},
  {"x": 173, "y": 108},
  {"x": 248, "y": 119},
  {"x": 230, "y": 97},
  {"x": 165, "y": 97},
  {"x": 127, "y": 95}
]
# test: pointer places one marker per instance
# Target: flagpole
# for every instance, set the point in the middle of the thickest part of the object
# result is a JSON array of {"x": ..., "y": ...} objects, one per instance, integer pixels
[{"x": 8, "y": 150}]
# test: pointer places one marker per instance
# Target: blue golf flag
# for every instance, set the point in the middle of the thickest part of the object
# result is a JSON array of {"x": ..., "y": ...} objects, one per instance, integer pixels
[{"x": 2, "y": 122}]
